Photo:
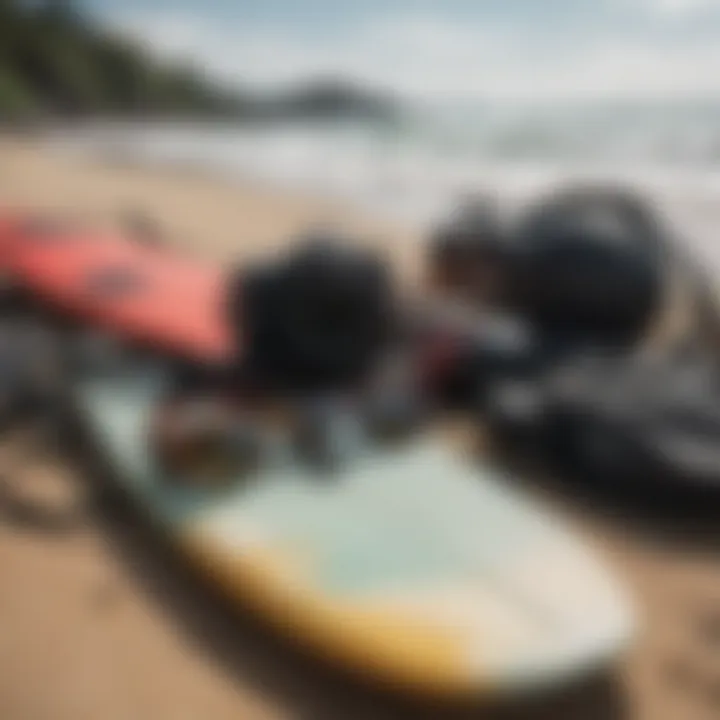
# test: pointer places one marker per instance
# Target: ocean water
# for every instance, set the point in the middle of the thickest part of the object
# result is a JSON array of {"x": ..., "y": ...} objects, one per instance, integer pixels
[{"x": 414, "y": 169}]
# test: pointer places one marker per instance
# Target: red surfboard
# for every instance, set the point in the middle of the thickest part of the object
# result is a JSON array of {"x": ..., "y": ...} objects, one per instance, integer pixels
[{"x": 150, "y": 295}]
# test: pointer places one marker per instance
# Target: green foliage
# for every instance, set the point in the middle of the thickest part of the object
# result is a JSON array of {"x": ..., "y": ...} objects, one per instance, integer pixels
[
  {"x": 16, "y": 100},
  {"x": 52, "y": 60}
]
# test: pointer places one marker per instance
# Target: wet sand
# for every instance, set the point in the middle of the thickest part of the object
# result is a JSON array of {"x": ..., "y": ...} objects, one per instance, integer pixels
[{"x": 95, "y": 622}]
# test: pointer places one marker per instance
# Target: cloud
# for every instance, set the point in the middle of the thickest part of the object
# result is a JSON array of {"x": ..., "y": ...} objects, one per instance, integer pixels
[
  {"x": 441, "y": 57},
  {"x": 681, "y": 7}
]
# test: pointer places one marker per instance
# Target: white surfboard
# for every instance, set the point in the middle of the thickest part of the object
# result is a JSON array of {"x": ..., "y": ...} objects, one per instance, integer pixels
[{"x": 409, "y": 562}]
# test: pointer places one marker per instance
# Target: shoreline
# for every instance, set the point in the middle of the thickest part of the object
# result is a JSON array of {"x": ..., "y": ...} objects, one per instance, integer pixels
[
  {"x": 391, "y": 194},
  {"x": 224, "y": 216}
]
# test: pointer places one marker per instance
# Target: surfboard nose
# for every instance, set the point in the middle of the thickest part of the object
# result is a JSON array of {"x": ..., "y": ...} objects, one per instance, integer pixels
[
  {"x": 564, "y": 619},
  {"x": 572, "y": 653}
]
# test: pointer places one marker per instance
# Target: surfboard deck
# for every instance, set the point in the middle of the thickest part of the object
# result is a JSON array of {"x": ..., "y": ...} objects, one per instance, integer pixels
[
  {"x": 145, "y": 294},
  {"x": 409, "y": 564}
]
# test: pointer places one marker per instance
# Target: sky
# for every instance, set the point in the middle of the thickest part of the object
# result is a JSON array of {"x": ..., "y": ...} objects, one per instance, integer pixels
[{"x": 444, "y": 49}]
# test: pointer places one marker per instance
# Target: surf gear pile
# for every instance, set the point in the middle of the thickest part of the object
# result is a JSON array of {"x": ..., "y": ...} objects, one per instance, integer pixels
[
  {"x": 269, "y": 421},
  {"x": 586, "y": 274}
]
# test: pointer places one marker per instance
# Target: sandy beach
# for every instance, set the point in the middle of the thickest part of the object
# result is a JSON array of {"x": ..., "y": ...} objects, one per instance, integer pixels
[{"x": 93, "y": 625}]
